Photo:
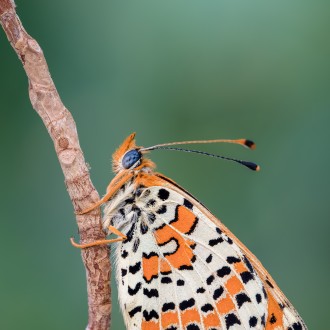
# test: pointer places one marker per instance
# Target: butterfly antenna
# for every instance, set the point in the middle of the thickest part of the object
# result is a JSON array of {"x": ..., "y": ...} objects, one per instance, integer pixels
[
  {"x": 243, "y": 142},
  {"x": 250, "y": 165}
]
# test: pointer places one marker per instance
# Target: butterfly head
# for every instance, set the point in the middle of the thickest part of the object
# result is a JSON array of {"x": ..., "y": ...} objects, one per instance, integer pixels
[{"x": 130, "y": 157}]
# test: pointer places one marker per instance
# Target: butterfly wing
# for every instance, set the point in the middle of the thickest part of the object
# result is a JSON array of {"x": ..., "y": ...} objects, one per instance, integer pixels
[
  {"x": 180, "y": 268},
  {"x": 281, "y": 313}
]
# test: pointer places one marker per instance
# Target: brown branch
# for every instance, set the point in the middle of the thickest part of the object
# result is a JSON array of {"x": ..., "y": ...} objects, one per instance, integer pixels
[{"x": 62, "y": 129}]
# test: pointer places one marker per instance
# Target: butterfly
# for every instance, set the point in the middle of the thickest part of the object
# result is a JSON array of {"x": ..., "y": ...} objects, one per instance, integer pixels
[{"x": 177, "y": 265}]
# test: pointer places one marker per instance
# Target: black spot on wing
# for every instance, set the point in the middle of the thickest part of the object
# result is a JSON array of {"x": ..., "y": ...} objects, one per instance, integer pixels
[
  {"x": 231, "y": 319},
  {"x": 222, "y": 272},
  {"x": 123, "y": 272},
  {"x": 218, "y": 292},
  {"x": 162, "y": 209},
  {"x": 233, "y": 260},
  {"x": 219, "y": 231},
  {"x": 130, "y": 233},
  {"x": 185, "y": 304},
  {"x": 297, "y": 326},
  {"x": 193, "y": 327},
  {"x": 248, "y": 264},
  {"x": 168, "y": 307},
  {"x": 253, "y": 321},
  {"x": 246, "y": 277},
  {"x": 166, "y": 280},
  {"x": 200, "y": 290},
  {"x": 187, "y": 204},
  {"x": 163, "y": 194},
  {"x": 209, "y": 258},
  {"x": 258, "y": 298},
  {"x": 150, "y": 293},
  {"x": 229, "y": 240},
  {"x": 135, "y": 310},
  {"x": 180, "y": 282},
  {"x": 134, "y": 291},
  {"x": 213, "y": 242},
  {"x": 209, "y": 280},
  {"x": 242, "y": 298},
  {"x": 143, "y": 228},
  {"x": 135, "y": 268},
  {"x": 150, "y": 315},
  {"x": 206, "y": 308},
  {"x": 264, "y": 292},
  {"x": 273, "y": 319},
  {"x": 124, "y": 254},
  {"x": 136, "y": 245}
]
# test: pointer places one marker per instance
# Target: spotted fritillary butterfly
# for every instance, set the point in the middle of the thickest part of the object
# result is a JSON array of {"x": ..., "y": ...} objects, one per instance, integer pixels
[{"x": 178, "y": 266}]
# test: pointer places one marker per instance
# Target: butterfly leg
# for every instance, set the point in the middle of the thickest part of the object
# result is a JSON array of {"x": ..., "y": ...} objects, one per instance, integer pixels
[
  {"x": 94, "y": 206},
  {"x": 115, "y": 231},
  {"x": 114, "y": 185}
]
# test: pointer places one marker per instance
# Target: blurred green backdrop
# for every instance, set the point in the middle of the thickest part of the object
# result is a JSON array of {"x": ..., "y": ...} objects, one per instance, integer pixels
[{"x": 171, "y": 70}]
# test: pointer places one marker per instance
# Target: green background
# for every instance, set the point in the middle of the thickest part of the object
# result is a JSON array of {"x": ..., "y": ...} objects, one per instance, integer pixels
[{"x": 171, "y": 71}]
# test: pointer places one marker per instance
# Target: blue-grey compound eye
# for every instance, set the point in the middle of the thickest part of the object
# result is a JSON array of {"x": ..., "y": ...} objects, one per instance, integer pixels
[{"x": 130, "y": 158}]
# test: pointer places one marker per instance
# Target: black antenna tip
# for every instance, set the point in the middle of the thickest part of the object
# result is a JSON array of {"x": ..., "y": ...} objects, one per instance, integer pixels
[
  {"x": 251, "y": 166},
  {"x": 250, "y": 144}
]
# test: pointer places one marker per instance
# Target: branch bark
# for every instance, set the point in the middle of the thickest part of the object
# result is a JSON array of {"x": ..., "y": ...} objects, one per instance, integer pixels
[{"x": 62, "y": 129}]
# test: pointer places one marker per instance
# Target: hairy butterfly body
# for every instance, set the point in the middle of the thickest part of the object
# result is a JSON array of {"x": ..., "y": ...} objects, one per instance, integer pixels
[{"x": 178, "y": 267}]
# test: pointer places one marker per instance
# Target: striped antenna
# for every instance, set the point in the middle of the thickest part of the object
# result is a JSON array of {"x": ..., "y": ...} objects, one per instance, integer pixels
[{"x": 243, "y": 142}]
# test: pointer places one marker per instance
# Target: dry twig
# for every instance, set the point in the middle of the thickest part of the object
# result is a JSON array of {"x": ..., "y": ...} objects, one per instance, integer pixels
[{"x": 62, "y": 129}]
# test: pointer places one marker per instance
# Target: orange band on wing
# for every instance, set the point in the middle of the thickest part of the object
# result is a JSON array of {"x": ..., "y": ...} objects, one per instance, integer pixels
[
  {"x": 150, "y": 267},
  {"x": 225, "y": 305},
  {"x": 170, "y": 319},
  {"x": 149, "y": 325},
  {"x": 211, "y": 320},
  {"x": 190, "y": 316},
  {"x": 184, "y": 221},
  {"x": 275, "y": 314},
  {"x": 183, "y": 254},
  {"x": 234, "y": 285}
]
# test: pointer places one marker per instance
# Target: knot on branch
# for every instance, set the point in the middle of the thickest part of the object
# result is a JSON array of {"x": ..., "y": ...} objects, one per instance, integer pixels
[
  {"x": 63, "y": 142},
  {"x": 67, "y": 157}
]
